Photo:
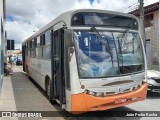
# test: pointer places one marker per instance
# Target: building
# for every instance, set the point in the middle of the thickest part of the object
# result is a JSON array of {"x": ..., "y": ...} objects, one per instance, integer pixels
[
  {"x": 2, "y": 40},
  {"x": 151, "y": 18}
]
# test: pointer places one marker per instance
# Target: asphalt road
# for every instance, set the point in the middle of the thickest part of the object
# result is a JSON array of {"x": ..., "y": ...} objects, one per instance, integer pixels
[{"x": 151, "y": 104}]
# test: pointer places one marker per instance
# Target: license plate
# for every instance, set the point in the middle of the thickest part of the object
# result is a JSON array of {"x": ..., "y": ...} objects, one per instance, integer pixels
[{"x": 120, "y": 100}]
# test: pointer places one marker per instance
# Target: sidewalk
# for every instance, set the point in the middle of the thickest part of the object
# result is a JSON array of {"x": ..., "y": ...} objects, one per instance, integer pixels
[{"x": 20, "y": 94}]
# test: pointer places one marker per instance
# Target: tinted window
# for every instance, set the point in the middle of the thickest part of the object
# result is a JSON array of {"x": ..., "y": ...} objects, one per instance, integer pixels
[
  {"x": 103, "y": 19},
  {"x": 48, "y": 37}
]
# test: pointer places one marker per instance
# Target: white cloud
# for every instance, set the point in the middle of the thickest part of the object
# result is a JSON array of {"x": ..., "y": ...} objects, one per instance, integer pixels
[
  {"x": 148, "y": 2},
  {"x": 19, "y": 31},
  {"x": 31, "y": 15}
]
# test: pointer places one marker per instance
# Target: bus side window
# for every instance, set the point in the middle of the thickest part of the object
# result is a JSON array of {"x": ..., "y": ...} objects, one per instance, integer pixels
[
  {"x": 48, "y": 37},
  {"x": 28, "y": 48},
  {"x": 47, "y": 46},
  {"x": 42, "y": 43},
  {"x": 42, "y": 40},
  {"x": 35, "y": 45},
  {"x": 38, "y": 48},
  {"x": 33, "y": 49}
]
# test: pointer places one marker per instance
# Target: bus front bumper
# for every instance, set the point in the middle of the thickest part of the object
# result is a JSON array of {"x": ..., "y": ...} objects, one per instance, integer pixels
[{"x": 83, "y": 102}]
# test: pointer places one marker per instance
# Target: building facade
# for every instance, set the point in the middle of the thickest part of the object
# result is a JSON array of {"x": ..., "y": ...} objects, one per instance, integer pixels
[
  {"x": 152, "y": 44},
  {"x": 2, "y": 40}
]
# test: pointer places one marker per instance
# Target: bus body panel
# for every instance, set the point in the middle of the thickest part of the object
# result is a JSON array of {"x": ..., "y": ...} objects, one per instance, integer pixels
[
  {"x": 68, "y": 105},
  {"x": 114, "y": 84},
  {"x": 38, "y": 70},
  {"x": 75, "y": 87}
]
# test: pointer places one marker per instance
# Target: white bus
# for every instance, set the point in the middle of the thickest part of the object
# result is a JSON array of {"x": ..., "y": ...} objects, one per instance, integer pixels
[{"x": 88, "y": 60}]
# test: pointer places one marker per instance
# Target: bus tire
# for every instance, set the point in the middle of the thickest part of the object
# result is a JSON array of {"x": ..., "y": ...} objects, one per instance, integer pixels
[
  {"x": 48, "y": 88},
  {"x": 27, "y": 72}
]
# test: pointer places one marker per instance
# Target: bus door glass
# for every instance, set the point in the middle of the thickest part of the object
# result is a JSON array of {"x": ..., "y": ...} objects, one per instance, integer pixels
[{"x": 58, "y": 65}]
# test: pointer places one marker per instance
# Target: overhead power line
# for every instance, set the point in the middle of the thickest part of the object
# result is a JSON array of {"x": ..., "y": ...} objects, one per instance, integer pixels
[{"x": 129, "y": 7}]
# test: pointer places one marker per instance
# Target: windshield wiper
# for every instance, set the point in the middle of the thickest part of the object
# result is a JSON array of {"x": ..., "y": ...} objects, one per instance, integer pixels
[
  {"x": 120, "y": 50},
  {"x": 101, "y": 41},
  {"x": 124, "y": 37}
]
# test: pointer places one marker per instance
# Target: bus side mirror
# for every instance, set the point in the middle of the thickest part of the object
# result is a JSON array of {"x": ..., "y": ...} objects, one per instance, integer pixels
[{"x": 70, "y": 52}]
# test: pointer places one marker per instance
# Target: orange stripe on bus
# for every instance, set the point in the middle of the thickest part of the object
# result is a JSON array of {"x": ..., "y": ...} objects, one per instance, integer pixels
[
  {"x": 79, "y": 103},
  {"x": 82, "y": 102}
]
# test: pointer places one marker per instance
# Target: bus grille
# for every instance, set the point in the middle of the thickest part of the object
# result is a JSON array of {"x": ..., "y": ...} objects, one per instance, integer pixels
[{"x": 110, "y": 93}]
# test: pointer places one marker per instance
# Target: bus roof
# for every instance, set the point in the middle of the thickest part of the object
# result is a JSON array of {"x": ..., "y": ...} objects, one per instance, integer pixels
[{"x": 67, "y": 16}]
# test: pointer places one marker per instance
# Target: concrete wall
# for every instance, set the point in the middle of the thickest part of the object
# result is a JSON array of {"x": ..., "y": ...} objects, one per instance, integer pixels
[
  {"x": 2, "y": 39},
  {"x": 152, "y": 33}
]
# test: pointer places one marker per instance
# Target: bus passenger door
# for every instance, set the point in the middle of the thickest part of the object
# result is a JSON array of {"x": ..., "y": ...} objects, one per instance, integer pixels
[{"x": 58, "y": 66}]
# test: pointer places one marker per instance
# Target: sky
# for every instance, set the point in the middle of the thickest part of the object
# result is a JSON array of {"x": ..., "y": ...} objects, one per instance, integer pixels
[{"x": 24, "y": 17}]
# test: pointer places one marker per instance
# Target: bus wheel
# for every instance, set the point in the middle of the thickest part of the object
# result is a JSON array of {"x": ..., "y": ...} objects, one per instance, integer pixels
[
  {"x": 48, "y": 89},
  {"x": 27, "y": 73}
]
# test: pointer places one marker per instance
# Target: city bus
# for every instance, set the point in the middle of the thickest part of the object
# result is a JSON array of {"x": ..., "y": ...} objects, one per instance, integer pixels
[{"x": 88, "y": 60}]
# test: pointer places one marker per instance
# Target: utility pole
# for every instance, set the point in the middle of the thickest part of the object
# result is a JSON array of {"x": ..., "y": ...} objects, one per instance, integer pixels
[{"x": 142, "y": 28}]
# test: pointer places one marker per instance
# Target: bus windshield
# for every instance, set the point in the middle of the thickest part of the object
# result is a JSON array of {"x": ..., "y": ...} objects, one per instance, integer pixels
[{"x": 108, "y": 53}]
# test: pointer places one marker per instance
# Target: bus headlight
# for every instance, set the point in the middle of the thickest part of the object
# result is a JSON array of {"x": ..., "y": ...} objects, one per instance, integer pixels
[
  {"x": 102, "y": 95},
  {"x": 145, "y": 80},
  {"x": 94, "y": 94},
  {"x": 87, "y": 91},
  {"x": 82, "y": 86}
]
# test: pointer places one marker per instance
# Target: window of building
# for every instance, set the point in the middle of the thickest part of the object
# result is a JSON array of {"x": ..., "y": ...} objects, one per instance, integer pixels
[{"x": 148, "y": 20}]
